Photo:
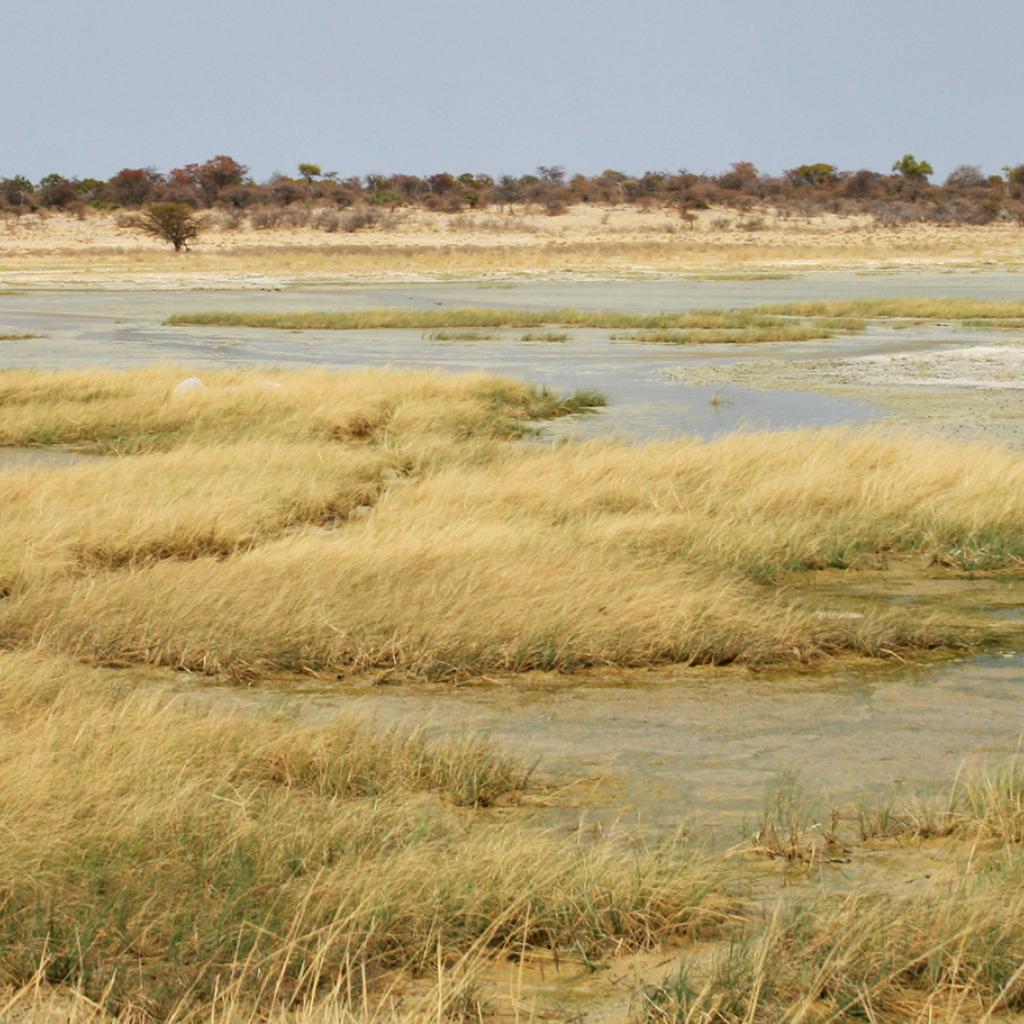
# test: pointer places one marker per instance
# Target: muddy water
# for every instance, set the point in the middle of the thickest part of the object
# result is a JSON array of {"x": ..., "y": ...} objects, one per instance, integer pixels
[{"x": 126, "y": 329}]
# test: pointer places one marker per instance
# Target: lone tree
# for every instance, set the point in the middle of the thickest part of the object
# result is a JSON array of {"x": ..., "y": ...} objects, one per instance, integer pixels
[{"x": 171, "y": 222}]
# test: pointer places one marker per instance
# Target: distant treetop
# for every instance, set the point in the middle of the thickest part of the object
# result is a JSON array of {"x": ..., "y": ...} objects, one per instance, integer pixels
[{"x": 912, "y": 168}]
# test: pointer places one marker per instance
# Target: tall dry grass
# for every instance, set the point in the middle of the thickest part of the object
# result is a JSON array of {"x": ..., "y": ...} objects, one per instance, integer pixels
[
  {"x": 160, "y": 858},
  {"x": 944, "y": 955},
  {"x": 165, "y": 862},
  {"x": 261, "y": 529},
  {"x": 140, "y": 411}
]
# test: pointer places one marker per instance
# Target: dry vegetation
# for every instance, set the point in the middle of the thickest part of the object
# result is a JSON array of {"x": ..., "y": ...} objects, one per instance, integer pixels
[
  {"x": 169, "y": 862},
  {"x": 165, "y": 863},
  {"x": 376, "y": 520},
  {"x": 48, "y": 247}
]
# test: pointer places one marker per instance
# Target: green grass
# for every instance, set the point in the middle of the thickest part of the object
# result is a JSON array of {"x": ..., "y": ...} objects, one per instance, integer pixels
[
  {"x": 431, "y": 319},
  {"x": 780, "y": 331},
  {"x": 701, "y": 326}
]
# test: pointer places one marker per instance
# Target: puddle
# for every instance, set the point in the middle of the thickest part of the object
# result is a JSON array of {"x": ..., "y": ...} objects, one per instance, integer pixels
[{"x": 42, "y": 458}]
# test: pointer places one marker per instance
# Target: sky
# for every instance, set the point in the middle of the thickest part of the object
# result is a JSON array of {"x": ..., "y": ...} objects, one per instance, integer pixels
[{"x": 419, "y": 86}]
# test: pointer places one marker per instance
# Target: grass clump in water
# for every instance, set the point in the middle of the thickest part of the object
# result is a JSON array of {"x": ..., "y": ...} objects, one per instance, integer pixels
[
  {"x": 18, "y": 337},
  {"x": 906, "y": 308},
  {"x": 545, "y": 336},
  {"x": 776, "y": 331},
  {"x": 473, "y": 317},
  {"x": 461, "y": 336}
]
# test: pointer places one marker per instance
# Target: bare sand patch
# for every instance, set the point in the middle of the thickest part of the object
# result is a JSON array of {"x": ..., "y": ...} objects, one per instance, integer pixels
[{"x": 970, "y": 391}]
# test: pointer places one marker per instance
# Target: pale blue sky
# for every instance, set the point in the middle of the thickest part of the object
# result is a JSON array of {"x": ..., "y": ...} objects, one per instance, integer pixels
[{"x": 91, "y": 86}]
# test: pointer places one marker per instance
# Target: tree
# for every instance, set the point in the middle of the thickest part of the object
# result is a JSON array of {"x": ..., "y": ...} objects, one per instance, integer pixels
[
  {"x": 966, "y": 176},
  {"x": 1015, "y": 180},
  {"x": 309, "y": 172},
  {"x": 742, "y": 177},
  {"x": 813, "y": 174},
  {"x": 15, "y": 191},
  {"x": 59, "y": 192},
  {"x": 210, "y": 178},
  {"x": 172, "y": 222},
  {"x": 133, "y": 186},
  {"x": 912, "y": 169}
]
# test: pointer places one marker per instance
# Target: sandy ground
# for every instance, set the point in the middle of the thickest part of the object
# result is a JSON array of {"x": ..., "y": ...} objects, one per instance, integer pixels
[
  {"x": 970, "y": 391},
  {"x": 98, "y": 249}
]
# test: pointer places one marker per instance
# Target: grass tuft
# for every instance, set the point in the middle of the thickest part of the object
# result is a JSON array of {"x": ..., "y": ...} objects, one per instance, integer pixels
[
  {"x": 545, "y": 336},
  {"x": 461, "y": 336}
]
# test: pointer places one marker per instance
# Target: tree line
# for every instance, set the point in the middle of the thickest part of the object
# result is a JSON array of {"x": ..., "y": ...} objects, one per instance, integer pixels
[{"x": 904, "y": 194}]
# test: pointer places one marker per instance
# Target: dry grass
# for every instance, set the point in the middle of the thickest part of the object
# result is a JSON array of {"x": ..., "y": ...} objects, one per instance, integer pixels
[
  {"x": 17, "y": 337},
  {"x": 121, "y": 413},
  {"x": 160, "y": 858},
  {"x": 911, "y": 308},
  {"x": 946, "y": 956},
  {"x": 161, "y": 862},
  {"x": 374, "y": 520}
]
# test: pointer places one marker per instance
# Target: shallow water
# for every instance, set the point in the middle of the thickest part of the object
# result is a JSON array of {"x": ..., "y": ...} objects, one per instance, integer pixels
[
  {"x": 672, "y": 747},
  {"x": 125, "y": 329},
  {"x": 36, "y": 458}
]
